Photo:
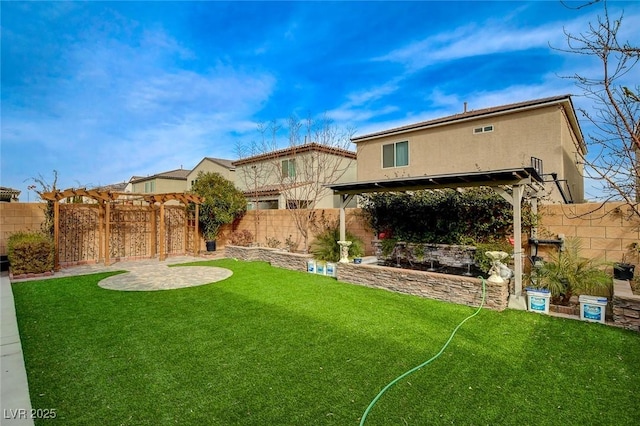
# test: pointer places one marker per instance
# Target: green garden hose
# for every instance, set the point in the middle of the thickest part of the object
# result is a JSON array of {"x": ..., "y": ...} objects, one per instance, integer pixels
[{"x": 397, "y": 379}]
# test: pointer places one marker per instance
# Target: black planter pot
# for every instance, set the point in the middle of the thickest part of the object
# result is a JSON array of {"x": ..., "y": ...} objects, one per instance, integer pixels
[
  {"x": 623, "y": 271},
  {"x": 211, "y": 245}
]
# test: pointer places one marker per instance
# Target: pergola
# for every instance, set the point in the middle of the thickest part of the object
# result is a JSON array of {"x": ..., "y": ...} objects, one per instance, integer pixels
[
  {"x": 105, "y": 199},
  {"x": 511, "y": 184}
]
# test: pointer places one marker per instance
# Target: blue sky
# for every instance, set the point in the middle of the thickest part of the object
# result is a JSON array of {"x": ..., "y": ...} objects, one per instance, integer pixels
[{"x": 102, "y": 91}]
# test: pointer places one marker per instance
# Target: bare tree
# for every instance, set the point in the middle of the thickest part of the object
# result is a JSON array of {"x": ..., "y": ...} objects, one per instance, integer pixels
[
  {"x": 316, "y": 153},
  {"x": 42, "y": 187},
  {"x": 614, "y": 141},
  {"x": 320, "y": 154},
  {"x": 256, "y": 176}
]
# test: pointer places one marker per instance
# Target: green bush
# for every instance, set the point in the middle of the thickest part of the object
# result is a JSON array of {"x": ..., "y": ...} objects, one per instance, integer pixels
[
  {"x": 30, "y": 253},
  {"x": 325, "y": 246},
  {"x": 445, "y": 216}
]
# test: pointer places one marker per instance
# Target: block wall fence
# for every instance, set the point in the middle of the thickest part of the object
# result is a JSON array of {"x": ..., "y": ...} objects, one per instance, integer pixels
[
  {"x": 15, "y": 217},
  {"x": 606, "y": 231}
]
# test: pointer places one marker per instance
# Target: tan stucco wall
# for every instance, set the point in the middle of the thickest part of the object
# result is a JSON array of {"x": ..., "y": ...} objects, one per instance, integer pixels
[
  {"x": 163, "y": 186},
  {"x": 269, "y": 171},
  {"x": 454, "y": 148},
  {"x": 207, "y": 166}
]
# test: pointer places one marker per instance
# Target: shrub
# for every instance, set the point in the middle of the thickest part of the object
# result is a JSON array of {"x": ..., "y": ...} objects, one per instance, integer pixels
[
  {"x": 30, "y": 253},
  {"x": 273, "y": 242},
  {"x": 325, "y": 246},
  {"x": 223, "y": 203},
  {"x": 242, "y": 238},
  {"x": 567, "y": 273},
  {"x": 444, "y": 216}
]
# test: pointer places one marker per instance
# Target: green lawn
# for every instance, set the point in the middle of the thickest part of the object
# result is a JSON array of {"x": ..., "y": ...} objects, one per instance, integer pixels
[{"x": 275, "y": 347}]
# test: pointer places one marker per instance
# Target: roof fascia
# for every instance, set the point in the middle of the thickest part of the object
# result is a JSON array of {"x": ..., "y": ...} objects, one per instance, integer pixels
[{"x": 455, "y": 120}]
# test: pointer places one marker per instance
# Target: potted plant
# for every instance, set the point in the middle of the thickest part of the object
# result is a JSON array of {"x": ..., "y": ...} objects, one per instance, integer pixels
[
  {"x": 223, "y": 204},
  {"x": 567, "y": 273},
  {"x": 624, "y": 270}
]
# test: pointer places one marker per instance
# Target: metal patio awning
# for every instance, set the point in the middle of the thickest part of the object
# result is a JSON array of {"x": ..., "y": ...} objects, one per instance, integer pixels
[
  {"x": 493, "y": 178},
  {"x": 509, "y": 183}
]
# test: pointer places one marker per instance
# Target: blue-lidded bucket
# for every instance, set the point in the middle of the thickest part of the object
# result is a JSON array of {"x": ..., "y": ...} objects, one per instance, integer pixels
[
  {"x": 593, "y": 308},
  {"x": 539, "y": 300},
  {"x": 311, "y": 266}
]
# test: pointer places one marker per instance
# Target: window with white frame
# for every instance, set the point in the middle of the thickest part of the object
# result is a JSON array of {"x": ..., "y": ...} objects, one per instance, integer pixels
[
  {"x": 288, "y": 168},
  {"x": 483, "y": 129},
  {"x": 395, "y": 154},
  {"x": 150, "y": 186}
]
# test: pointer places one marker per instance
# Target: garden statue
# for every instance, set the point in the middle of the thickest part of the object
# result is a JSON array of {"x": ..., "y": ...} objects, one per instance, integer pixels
[
  {"x": 499, "y": 271},
  {"x": 344, "y": 251}
]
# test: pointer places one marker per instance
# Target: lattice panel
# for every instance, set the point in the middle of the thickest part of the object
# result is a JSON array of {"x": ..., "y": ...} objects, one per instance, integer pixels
[
  {"x": 174, "y": 229},
  {"x": 130, "y": 231},
  {"x": 79, "y": 233}
]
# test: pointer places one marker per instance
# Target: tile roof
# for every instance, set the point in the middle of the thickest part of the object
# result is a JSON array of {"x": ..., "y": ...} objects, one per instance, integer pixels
[{"x": 296, "y": 150}]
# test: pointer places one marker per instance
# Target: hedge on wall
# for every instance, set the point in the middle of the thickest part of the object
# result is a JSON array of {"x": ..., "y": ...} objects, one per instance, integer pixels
[
  {"x": 443, "y": 216},
  {"x": 30, "y": 253}
]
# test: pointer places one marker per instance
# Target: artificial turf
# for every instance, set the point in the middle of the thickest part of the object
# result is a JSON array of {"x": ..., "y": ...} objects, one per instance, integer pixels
[{"x": 269, "y": 346}]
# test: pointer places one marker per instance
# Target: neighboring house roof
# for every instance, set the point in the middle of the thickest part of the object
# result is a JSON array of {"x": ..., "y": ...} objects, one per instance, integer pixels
[
  {"x": 222, "y": 162},
  {"x": 177, "y": 174},
  {"x": 287, "y": 152},
  {"x": 114, "y": 187},
  {"x": 563, "y": 100},
  {"x": 8, "y": 193},
  {"x": 270, "y": 190}
]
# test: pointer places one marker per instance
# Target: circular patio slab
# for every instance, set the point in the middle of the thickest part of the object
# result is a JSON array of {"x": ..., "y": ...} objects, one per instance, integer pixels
[{"x": 161, "y": 277}]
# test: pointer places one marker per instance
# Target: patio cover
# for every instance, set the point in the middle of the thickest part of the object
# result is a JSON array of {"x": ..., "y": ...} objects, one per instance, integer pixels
[{"x": 509, "y": 183}]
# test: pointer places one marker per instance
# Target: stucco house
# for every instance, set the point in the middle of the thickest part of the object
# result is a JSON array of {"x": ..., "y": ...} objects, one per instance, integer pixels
[
  {"x": 294, "y": 177},
  {"x": 542, "y": 133},
  {"x": 9, "y": 195},
  {"x": 161, "y": 183},
  {"x": 215, "y": 165}
]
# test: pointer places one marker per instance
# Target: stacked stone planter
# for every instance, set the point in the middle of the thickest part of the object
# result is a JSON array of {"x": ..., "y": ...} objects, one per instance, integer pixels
[
  {"x": 449, "y": 288},
  {"x": 626, "y": 306}
]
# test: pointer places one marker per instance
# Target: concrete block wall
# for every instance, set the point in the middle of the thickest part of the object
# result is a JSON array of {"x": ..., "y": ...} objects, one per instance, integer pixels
[
  {"x": 15, "y": 217},
  {"x": 606, "y": 230},
  {"x": 279, "y": 224}
]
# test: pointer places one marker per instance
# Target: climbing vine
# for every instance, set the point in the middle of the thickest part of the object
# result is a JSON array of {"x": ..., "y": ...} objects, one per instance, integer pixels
[{"x": 445, "y": 216}]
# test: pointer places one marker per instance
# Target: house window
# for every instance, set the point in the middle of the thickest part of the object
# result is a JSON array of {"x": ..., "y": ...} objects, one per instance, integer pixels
[
  {"x": 150, "y": 186},
  {"x": 483, "y": 129},
  {"x": 288, "y": 168},
  {"x": 298, "y": 204},
  {"x": 395, "y": 154}
]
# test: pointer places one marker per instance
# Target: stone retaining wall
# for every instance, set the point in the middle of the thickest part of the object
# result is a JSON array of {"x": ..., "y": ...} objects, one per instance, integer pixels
[
  {"x": 448, "y": 288},
  {"x": 276, "y": 257},
  {"x": 626, "y": 306}
]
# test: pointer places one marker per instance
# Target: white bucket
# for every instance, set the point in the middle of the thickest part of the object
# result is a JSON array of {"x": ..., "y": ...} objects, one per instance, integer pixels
[
  {"x": 320, "y": 268},
  {"x": 311, "y": 266},
  {"x": 539, "y": 301},
  {"x": 593, "y": 308},
  {"x": 331, "y": 269}
]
